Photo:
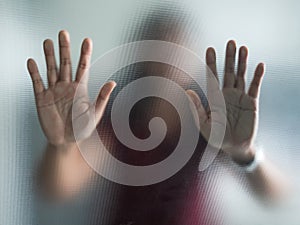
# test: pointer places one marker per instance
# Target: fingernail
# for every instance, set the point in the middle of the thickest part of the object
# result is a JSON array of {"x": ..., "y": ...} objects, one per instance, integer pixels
[
  {"x": 243, "y": 52},
  {"x": 30, "y": 64},
  {"x": 231, "y": 46},
  {"x": 262, "y": 67},
  {"x": 107, "y": 89},
  {"x": 84, "y": 46},
  {"x": 63, "y": 36},
  {"x": 194, "y": 99},
  {"x": 211, "y": 53},
  {"x": 47, "y": 45}
]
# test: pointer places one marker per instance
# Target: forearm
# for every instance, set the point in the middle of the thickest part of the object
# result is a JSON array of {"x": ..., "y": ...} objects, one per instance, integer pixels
[
  {"x": 63, "y": 171},
  {"x": 267, "y": 181}
]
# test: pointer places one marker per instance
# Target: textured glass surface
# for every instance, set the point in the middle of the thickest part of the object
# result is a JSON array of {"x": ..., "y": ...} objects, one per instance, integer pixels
[{"x": 269, "y": 28}]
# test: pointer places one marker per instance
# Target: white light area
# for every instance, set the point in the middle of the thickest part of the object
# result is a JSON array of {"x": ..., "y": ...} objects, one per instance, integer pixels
[
  {"x": 269, "y": 28},
  {"x": 240, "y": 207},
  {"x": 13, "y": 190}
]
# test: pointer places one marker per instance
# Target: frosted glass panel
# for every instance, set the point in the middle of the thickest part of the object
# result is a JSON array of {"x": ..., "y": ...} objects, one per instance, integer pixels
[{"x": 269, "y": 29}]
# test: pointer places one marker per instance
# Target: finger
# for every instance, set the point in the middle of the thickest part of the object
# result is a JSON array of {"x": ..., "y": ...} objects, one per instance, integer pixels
[
  {"x": 103, "y": 98},
  {"x": 65, "y": 72},
  {"x": 198, "y": 104},
  {"x": 211, "y": 73},
  {"x": 37, "y": 81},
  {"x": 202, "y": 115},
  {"x": 50, "y": 62},
  {"x": 84, "y": 61},
  {"x": 242, "y": 66},
  {"x": 256, "y": 82},
  {"x": 229, "y": 76},
  {"x": 211, "y": 61}
]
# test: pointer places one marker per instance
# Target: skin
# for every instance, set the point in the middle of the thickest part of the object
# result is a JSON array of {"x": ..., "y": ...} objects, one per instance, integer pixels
[
  {"x": 63, "y": 168},
  {"x": 64, "y": 172},
  {"x": 241, "y": 105},
  {"x": 266, "y": 180},
  {"x": 54, "y": 103}
]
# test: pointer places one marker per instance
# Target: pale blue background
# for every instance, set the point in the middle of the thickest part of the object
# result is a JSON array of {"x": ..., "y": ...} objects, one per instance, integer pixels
[{"x": 269, "y": 28}]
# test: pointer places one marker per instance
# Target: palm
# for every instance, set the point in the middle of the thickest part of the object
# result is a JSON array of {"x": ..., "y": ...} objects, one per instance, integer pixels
[
  {"x": 241, "y": 107},
  {"x": 55, "y": 104},
  {"x": 241, "y": 118},
  {"x": 54, "y": 108}
]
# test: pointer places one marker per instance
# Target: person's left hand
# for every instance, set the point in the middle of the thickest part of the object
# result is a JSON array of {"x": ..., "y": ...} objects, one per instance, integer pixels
[{"x": 241, "y": 106}]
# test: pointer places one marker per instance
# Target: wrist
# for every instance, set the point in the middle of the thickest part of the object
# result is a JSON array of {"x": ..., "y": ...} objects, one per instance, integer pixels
[
  {"x": 257, "y": 161},
  {"x": 253, "y": 160},
  {"x": 67, "y": 149},
  {"x": 65, "y": 170},
  {"x": 245, "y": 157},
  {"x": 62, "y": 146}
]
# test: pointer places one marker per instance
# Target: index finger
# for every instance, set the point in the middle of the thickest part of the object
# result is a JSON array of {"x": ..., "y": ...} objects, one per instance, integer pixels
[{"x": 256, "y": 82}]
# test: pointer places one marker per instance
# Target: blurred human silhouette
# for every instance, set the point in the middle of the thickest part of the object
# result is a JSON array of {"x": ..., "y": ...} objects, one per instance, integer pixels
[{"x": 180, "y": 199}]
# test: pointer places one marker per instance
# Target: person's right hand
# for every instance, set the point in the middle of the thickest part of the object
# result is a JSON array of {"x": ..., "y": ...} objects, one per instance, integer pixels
[{"x": 55, "y": 103}]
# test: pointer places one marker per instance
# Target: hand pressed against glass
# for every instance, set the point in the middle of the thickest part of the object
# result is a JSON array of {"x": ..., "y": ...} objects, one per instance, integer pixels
[
  {"x": 54, "y": 104},
  {"x": 241, "y": 105}
]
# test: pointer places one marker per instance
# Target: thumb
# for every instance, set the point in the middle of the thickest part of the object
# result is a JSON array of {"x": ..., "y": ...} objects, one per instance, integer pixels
[
  {"x": 201, "y": 115},
  {"x": 103, "y": 98}
]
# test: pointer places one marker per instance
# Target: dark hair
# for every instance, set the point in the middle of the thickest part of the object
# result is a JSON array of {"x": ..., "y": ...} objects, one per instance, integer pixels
[
  {"x": 159, "y": 23},
  {"x": 168, "y": 21}
]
